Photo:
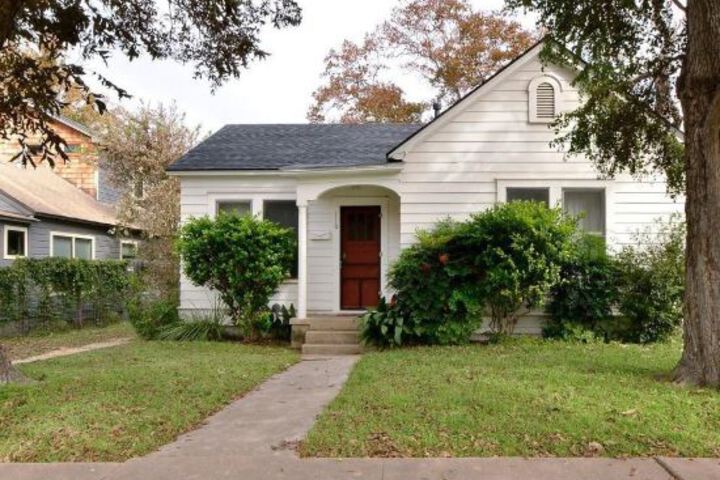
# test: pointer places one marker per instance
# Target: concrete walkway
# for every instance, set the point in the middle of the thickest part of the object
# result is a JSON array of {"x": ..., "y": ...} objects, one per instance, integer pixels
[
  {"x": 65, "y": 351},
  {"x": 254, "y": 438}
]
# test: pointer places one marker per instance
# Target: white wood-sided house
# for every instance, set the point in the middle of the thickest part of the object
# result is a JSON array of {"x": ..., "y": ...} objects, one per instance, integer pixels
[{"x": 357, "y": 194}]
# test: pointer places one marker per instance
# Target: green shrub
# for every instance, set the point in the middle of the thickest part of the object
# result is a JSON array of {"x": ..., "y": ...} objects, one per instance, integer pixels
[
  {"x": 499, "y": 261},
  {"x": 635, "y": 296},
  {"x": 652, "y": 283},
  {"x": 509, "y": 257},
  {"x": 437, "y": 304},
  {"x": 150, "y": 316},
  {"x": 584, "y": 298},
  {"x": 243, "y": 258}
]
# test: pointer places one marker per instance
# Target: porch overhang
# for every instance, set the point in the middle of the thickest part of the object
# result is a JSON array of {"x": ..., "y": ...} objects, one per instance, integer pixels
[{"x": 313, "y": 183}]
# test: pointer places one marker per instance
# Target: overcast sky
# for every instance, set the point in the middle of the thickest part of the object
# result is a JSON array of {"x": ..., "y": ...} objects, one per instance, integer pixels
[{"x": 277, "y": 89}]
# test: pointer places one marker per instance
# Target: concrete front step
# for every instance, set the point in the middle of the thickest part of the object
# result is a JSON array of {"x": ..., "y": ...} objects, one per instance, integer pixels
[
  {"x": 321, "y": 349},
  {"x": 332, "y": 337},
  {"x": 334, "y": 323}
]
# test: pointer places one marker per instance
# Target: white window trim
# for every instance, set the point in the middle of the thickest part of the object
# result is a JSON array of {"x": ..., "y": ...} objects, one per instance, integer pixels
[
  {"x": 255, "y": 199},
  {"x": 532, "y": 97},
  {"x": 556, "y": 188},
  {"x": 8, "y": 229},
  {"x": 74, "y": 236},
  {"x": 127, "y": 242}
]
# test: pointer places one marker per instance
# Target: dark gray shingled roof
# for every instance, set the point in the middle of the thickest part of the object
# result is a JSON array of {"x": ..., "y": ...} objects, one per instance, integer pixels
[{"x": 277, "y": 146}]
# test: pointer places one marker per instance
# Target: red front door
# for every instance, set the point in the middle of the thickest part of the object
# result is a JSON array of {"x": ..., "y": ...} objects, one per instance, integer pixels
[{"x": 359, "y": 257}]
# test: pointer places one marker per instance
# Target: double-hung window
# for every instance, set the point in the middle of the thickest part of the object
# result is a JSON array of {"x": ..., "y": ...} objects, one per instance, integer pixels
[
  {"x": 128, "y": 250},
  {"x": 589, "y": 206},
  {"x": 68, "y": 245},
  {"x": 285, "y": 214},
  {"x": 15, "y": 242}
]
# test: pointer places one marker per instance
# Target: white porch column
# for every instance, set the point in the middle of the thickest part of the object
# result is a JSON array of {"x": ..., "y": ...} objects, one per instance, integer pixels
[{"x": 302, "y": 261}]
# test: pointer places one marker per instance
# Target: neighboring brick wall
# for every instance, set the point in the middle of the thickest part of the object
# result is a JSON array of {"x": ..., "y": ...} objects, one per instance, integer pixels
[{"x": 80, "y": 170}]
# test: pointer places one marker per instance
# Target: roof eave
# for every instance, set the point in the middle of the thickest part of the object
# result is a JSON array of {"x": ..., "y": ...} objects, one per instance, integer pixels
[{"x": 389, "y": 167}]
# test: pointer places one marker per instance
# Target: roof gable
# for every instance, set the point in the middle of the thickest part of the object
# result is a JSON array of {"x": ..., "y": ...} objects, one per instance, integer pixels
[{"x": 397, "y": 152}]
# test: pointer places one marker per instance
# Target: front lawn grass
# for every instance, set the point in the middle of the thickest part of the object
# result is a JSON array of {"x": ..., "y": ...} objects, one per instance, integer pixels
[
  {"x": 521, "y": 398},
  {"x": 42, "y": 342},
  {"x": 121, "y": 402}
]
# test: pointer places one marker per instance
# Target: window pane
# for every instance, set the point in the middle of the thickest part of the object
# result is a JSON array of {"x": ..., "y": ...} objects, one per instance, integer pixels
[
  {"x": 128, "y": 251},
  {"x": 284, "y": 213},
  {"x": 591, "y": 205},
  {"x": 529, "y": 194},
  {"x": 62, "y": 246},
  {"x": 83, "y": 248},
  {"x": 15, "y": 243},
  {"x": 241, "y": 208}
]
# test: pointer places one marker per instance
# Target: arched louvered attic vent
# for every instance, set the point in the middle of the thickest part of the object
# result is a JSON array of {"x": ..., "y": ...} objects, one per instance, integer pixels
[
  {"x": 543, "y": 94},
  {"x": 545, "y": 104}
]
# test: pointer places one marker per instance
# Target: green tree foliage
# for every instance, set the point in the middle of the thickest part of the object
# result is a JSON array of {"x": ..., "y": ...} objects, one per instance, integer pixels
[
  {"x": 511, "y": 255},
  {"x": 628, "y": 57},
  {"x": 242, "y": 258},
  {"x": 219, "y": 37}
]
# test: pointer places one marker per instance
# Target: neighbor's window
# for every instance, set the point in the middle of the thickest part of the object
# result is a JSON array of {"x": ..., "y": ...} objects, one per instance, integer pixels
[
  {"x": 284, "y": 213},
  {"x": 541, "y": 195},
  {"x": 128, "y": 250},
  {"x": 73, "y": 148},
  {"x": 590, "y": 205},
  {"x": 242, "y": 207},
  {"x": 16, "y": 242},
  {"x": 138, "y": 189},
  {"x": 71, "y": 246}
]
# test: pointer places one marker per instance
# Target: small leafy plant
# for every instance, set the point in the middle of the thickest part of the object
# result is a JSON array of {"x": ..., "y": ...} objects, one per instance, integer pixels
[
  {"x": 151, "y": 316},
  {"x": 384, "y": 326}
]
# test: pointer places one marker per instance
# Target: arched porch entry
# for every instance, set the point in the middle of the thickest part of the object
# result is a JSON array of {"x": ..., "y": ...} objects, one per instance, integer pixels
[{"x": 349, "y": 233}]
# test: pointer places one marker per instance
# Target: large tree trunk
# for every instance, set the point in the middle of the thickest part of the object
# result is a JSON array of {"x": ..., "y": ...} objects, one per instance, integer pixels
[
  {"x": 8, "y": 373},
  {"x": 699, "y": 90}
]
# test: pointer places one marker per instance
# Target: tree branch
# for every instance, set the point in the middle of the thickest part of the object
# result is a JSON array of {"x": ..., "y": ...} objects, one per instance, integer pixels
[{"x": 679, "y": 5}]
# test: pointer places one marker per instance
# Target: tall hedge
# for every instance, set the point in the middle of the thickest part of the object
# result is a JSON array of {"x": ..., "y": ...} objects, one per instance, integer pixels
[{"x": 37, "y": 292}]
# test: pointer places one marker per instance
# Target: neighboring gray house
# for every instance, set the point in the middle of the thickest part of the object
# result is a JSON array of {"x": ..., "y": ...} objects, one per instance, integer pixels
[{"x": 44, "y": 215}]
